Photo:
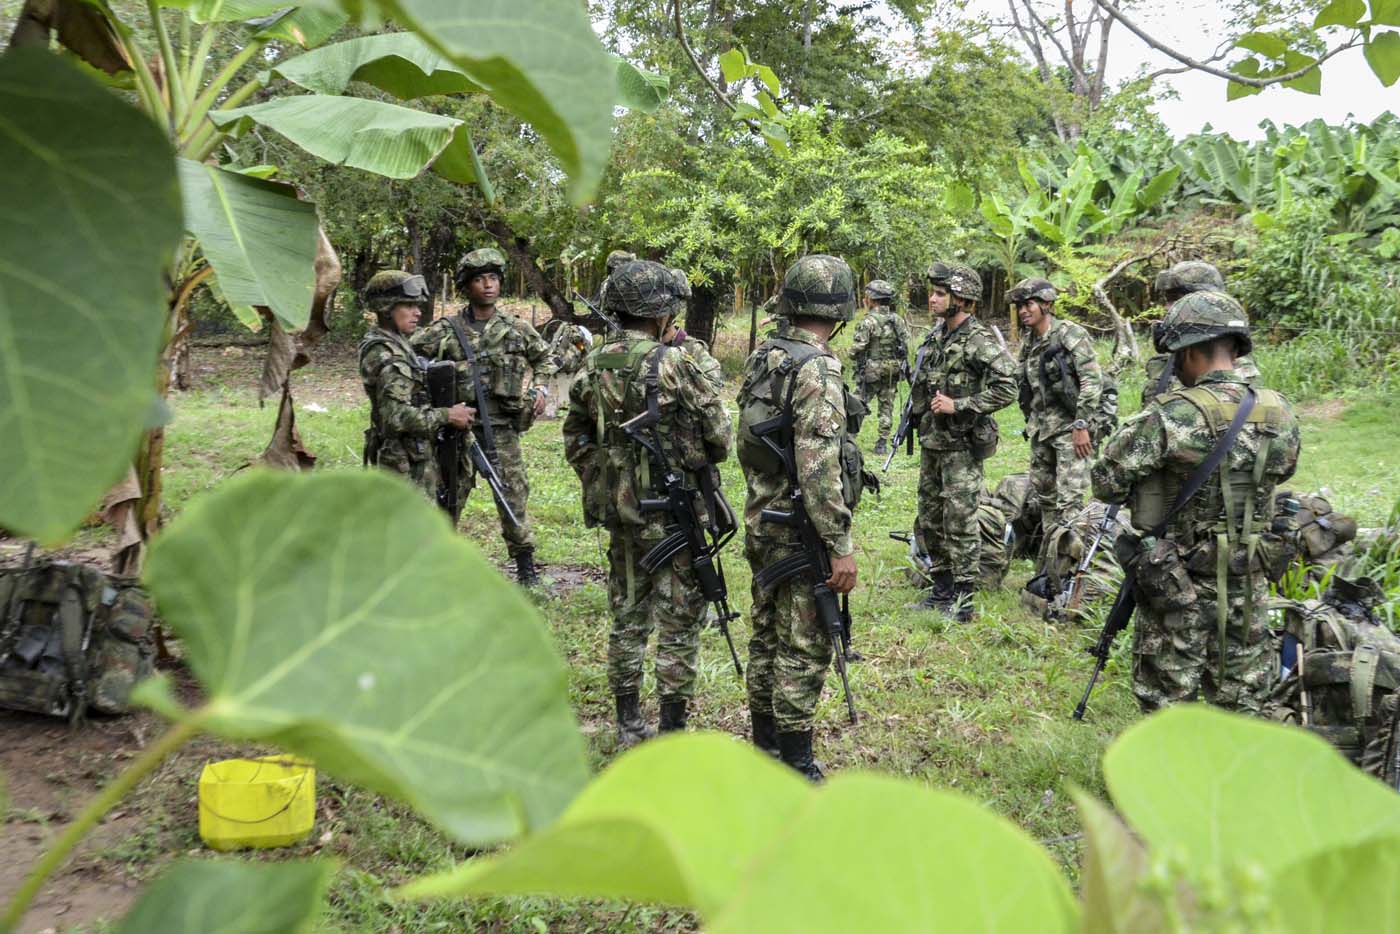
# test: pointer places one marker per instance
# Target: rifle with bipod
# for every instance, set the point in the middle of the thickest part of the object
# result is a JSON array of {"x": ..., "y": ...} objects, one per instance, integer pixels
[{"x": 601, "y": 315}]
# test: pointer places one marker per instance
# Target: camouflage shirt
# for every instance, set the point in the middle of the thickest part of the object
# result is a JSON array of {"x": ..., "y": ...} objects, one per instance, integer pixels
[
  {"x": 397, "y": 388},
  {"x": 819, "y": 412},
  {"x": 694, "y": 430},
  {"x": 1042, "y": 379},
  {"x": 880, "y": 345},
  {"x": 1173, "y": 435},
  {"x": 505, "y": 347},
  {"x": 709, "y": 366},
  {"x": 1157, "y": 365},
  {"x": 969, "y": 365}
]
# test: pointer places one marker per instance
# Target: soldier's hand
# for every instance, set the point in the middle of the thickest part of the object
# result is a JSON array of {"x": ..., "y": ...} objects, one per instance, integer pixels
[
  {"x": 1083, "y": 446},
  {"x": 843, "y": 574},
  {"x": 459, "y": 416},
  {"x": 941, "y": 404}
]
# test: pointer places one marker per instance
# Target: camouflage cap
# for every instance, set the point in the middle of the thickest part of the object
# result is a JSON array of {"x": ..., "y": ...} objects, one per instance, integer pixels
[
  {"x": 1201, "y": 317},
  {"x": 819, "y": 286},
  {"x": 880, "y": 290},
  {"x": 682, "y": 282},
  {"x": 1042, "y": 290},
  {"x": 641, "y": 289},
  {"x": 395, "y": 287},
  {"x": 1193, "y": 275},
  {"x": 938, "y": 272},
  {"x": 617, "y": 257},
  {"x": 477, "y": 262},
  {"x": 964, "y": 282}
]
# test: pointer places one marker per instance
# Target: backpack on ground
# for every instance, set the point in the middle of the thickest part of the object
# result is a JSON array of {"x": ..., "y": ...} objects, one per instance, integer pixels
[{"x": 72, "y": 639}]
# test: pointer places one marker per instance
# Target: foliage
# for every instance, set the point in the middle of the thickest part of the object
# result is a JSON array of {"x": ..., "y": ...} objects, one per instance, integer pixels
[{"x": 1379, "y": 559}]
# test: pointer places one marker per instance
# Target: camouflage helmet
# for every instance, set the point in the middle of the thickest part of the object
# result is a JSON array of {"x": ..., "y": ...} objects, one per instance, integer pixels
[
  {"x": 938, "y": 273},
  {"x": 477, "y": 262},
  {"x": 964, "y": 282},
  {"x": 641, "y": 289},
  {"x": 1193, "y": 275},
  {"x": 1201, "y": 317},
  {"x": 1033, "y": 288},
  {"x": 682, "y": 283},
  {"x": 617, "y": 257},
  {"x": 819, "y": 286},
  {"x": 880, "y": 291},
  {"x": 395, "y": 287}
]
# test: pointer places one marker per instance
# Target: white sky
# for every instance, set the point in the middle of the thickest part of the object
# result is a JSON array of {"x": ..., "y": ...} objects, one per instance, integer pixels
[{"x": 1195, "y": 27}]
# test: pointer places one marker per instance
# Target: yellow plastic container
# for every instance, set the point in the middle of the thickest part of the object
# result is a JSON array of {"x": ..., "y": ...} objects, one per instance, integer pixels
[{"x": 259, "y": 803}]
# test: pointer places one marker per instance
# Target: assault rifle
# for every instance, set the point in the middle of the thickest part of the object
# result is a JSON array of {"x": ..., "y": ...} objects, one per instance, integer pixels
[
  {"x": 602, "y": 316},
  {"x": 1073, "y": 595},
  {"x": 904, "y": 434},
  {"x": 813, "y": 560},
  {"x": 688, "y": 534},
  {"x": 442, "y": 391},
  {"x": 1119, "y": 615}
]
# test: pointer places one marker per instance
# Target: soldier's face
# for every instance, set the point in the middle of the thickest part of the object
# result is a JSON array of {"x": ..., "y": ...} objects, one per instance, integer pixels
[
  {"x": 1030, "y": 312},
  {"x": 938, "y": 299},
  {"x": 484, "y": 288},
  {"x": 406, "y": 317}
]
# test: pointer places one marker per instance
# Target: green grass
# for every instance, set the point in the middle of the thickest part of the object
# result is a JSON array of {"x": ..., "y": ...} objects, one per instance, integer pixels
[{"x": 982, "y": 708}]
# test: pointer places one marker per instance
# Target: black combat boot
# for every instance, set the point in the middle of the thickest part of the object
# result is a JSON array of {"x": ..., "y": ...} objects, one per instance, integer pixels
[
  {"x": 880, "y": 448},
  {"x": 631, "y": 728},
  {"x": 525, "y": 574},
  {"x": 796, "y": 750},
  {"x": 939, "y": 593},
  {"x": 765, "y": 733},
  {"x": 673, "y": 714},
  {"x": 960, "y": 606}
]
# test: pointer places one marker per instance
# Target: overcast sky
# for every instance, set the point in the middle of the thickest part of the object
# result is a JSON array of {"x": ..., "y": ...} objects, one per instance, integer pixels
[{"x": 1195, "y": 27}]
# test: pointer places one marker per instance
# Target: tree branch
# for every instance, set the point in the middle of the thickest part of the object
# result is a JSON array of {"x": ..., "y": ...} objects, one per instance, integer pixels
[
  {"x": 1193, "y": 64},
  {"x": 718, "y": 92},
  {"x": 1124, "y": 344}
]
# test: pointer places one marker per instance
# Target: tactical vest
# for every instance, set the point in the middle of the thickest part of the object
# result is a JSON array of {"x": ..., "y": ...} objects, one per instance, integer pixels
[
  {"x": 965, "y": 430},
  {"x": 885, "y": 342},
  {"x": 416, "y": 449},
  {"x": 72, "y": 639},
  {"x": 766, "y": 393}
]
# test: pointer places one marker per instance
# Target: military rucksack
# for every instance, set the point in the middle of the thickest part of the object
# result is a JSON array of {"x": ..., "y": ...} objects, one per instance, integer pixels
[
  {"x": 72, "y": 639},
  {"x": 1342, "y": 677},
  {"x": 1322, "y": 535}
]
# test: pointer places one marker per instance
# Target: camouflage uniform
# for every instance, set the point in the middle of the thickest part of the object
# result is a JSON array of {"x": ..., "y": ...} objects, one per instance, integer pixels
[
  {"x": 969, "y": 365},
  {"x": 698, "y": 349},
  {"x": 616, "y": 475},
  {"x": 504, "y": 347},
  {"x": 402, "y": 422},
  {"x": 1060, "y": 385},
  {"x": 880, "y": 350},
  {"x": 1179, "y": 280},
  {"x": 790, "y": 651},
  {"x": 1184, "y": 645}
]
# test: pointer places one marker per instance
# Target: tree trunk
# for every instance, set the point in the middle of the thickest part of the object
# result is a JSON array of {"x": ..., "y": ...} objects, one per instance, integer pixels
[
  {"x": 701, "y": 310},
  {"x": 522, "y": 256}
]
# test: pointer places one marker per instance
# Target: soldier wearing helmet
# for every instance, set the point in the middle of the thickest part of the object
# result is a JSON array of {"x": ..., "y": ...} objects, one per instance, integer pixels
[
  {"x": 880, "y": 352},
  {"x": 1060, "y": 385},
  {"x": 500, "y": 351},
  {"x": 964, "y": 378},
  {"x": 1174, "y": 284},
  {"x": 793, "y": 375},
  {"x": 1202, "y": 569},
  {"x": 402, "y": 421},
  {"x": 630, "y": 374}
]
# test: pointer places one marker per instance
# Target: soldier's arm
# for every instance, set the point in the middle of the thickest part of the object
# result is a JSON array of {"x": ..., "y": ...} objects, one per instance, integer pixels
[
  {"x": 683, "y": 378},
  {"x": 580, "y": 425},
  {"x": 1086, "y": 366},
  {"x": 999, "y": 380},
  {"x": 396, "y": 407},
  {"x": 1135, "y": 450},
  {"x": 819, "y": 412},
  {"x": 537, "y": 352}
]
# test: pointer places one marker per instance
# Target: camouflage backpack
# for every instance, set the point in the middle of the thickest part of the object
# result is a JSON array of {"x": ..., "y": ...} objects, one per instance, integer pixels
[
  {"x": 999, "y": 522},
  {"x": 1342, "y": 675},
  {"x": 71, "y": 639},
  {"x": 1322, "y": 536},
  {"x": 1068, "y": 541}
]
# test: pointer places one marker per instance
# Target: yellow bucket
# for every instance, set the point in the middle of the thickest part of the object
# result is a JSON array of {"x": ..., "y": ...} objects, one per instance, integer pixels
[{"x": 256, "y": 802}]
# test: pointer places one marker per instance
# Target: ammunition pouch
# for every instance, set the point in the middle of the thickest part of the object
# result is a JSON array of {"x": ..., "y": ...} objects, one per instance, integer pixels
[
  {"x": 983, "y": 437},
  {"x": 1162, "y": 581}
]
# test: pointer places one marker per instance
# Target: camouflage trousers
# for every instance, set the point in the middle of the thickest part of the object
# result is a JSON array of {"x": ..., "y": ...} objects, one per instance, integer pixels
[
  {"x": 1177, "y": 654},
  {"x": 950, "y": 486},
  {"x": 510, "y": 464},
  {"x": 1060, "y": 480},
  {"x": 668, "y": 601},
  {"x": 884, "y": 390},
  {"x": 789, "y": 651},
  {"x": 413, "y": 460}
]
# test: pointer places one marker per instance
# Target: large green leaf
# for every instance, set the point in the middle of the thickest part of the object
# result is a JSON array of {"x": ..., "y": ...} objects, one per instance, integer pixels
[
  {"x": 1229, "y": 790},
  {"x": 1340, "y": 13},
  {"x": 260, "y": 239},
  {"x": 91, "y": 216},
  {"x": 230, "y": 897},
  {"x": 1385, "y": 12},
  {"x": 705, "y": 822},
  {"x": 1116, "y": 875},
  {"x": 399, "y": 63},
  {"x": 638, "y": 89},
  {"x": 541, "y": 60},
  {"x": 389, "y": 140},
  {"x": 1342, "y": 889},
  {"x": 1158, "y": 187},
  {"x": 1267, "y": 44},
  {"x": 1383, "y": 55},
  {"x": 227, "y": 11},
  {"x": 339, "y": 616},
  {"x": 307, "y": 26}
]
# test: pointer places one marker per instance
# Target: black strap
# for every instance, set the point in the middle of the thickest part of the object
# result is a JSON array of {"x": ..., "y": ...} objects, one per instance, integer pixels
[
  {"x": 483, "y": 416},
  {"x": 1164, "y": 379},
  {"x": 1208, "y": 466},
  {"x": 803, "y": 297}
]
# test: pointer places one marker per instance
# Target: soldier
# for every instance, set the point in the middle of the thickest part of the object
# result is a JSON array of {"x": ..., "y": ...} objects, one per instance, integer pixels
[
  {"x": 677, "y": 337},
  {"x": 966, "y": 376},
  {"x": 497, "y": 349},
  {"x": 880, "y": 351},
  {"x": 1202, "y": 628},
  {"x": 790, "y": 650},
  {"x": 629, "y": 375},
  {"x": 1174, "y": 284},
  {"x": 1060, "y": 385},
  {"x": 402, "y": 422},
  {"x": 568, "y": 345}
]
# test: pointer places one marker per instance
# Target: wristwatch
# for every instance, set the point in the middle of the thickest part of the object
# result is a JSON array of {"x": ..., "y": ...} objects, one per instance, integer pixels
[{"x": 1080, "y": 425}]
